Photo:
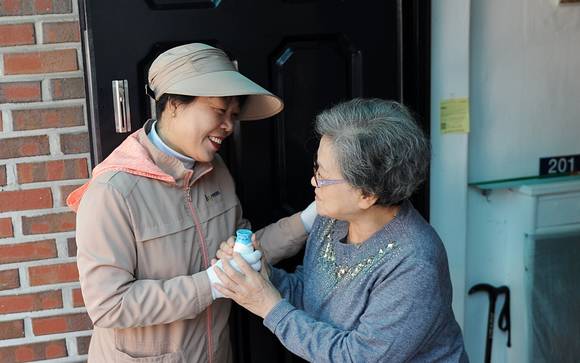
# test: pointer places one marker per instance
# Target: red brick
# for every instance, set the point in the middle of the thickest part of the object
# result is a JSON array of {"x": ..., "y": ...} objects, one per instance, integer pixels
[
  {"x": 20, "y": 92},
  {"x": 18, "y": 147},
  {"x": 74, "y": 143},
  {"x": 29, "y": 251},
  {"x": 16, "y": 34},
  {"x": 65, "y": 190},
  {"x": 49, "y": 223},
  {"x": 77, "y": 296},
  {"x": 52, "y": 170},
  {"x": 53, "y": 274},
  {"x": 34, "y": 352},
  {"x": 62, "y": 32},
  {"x": 72, "y": 246},
  {"x": 34, "y": 7},
  {"x": 25, "y": 200},
  {"x": 50, "y": 61},
  {"x": 9, "y": 279},
  {"x": 10, "y": 330},
  {"x": 3, "y": 180},
  {"x": 83, "y": 344},
  {"x": 67, "y": 88},
  {"x": 47, "y": 118},
  {"x": 31, "y": 302},
  {"x": 6, "y": 228},
  {"x": 61, "y": 324}
]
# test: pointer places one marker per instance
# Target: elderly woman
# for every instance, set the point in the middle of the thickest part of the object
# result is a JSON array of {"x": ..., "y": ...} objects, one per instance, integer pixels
[{"x": 374, "y": 285}]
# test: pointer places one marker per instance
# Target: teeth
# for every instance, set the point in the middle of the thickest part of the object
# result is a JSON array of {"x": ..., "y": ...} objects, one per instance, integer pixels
[{"x": 217, "y": 140}]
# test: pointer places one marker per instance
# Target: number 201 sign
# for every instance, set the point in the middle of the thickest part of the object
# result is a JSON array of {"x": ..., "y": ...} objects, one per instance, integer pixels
[{"x": 560, "y": 165}]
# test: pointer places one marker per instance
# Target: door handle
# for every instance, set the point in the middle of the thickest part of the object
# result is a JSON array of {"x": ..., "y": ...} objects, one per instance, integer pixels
[{"x": 121, "y": 106}]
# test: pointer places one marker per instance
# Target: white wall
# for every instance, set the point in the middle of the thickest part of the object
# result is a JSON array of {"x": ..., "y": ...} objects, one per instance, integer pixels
[
  {"x": 448, "y": 184},
  {"x": 519, "y": 63},
  {"x": 525, "y": 86},
  {"x": 524, "y": 78}
]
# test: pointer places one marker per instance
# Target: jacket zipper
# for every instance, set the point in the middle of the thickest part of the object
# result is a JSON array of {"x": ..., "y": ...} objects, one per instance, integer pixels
[{"x": 205, "y": 262}]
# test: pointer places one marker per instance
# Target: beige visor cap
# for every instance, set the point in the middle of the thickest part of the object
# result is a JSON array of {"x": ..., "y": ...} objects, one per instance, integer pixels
[{"x": 198, "y": 69}]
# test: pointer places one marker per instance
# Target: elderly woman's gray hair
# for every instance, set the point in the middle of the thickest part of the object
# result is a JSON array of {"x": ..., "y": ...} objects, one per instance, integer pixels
[{"x": 379, "y": 147}]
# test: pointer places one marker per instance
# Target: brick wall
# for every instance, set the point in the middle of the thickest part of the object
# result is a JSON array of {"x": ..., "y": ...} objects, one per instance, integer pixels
[{"x": 43, "y": 156}]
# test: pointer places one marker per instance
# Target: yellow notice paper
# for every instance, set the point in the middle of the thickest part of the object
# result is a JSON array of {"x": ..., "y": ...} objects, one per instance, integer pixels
[{"x": 454, "y": 114}]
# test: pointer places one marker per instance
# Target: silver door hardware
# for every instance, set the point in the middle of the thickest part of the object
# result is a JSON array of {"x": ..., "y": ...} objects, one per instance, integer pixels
[{"x": 121, "y": 106}]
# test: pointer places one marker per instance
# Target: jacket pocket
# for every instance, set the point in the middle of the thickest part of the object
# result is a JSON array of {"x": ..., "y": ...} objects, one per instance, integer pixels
[
  {"x": 166, "y": 250},
  {"x": 174, "y": 357},
  {"x": 146, "y": 233}
]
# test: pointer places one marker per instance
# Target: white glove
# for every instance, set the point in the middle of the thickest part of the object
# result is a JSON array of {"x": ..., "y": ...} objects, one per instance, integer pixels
[
  {"x": 308, "y": 216},
  {"x": 254, "y": 259}
]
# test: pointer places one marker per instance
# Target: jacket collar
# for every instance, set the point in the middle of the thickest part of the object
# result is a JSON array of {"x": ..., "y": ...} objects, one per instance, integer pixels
[
  {"x": 169, "y": 164},
  {"x": 138, "y": 156}
]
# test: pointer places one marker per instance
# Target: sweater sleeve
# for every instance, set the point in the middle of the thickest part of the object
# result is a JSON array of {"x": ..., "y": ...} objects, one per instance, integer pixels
[
  {"x": 107, "y": 260},
  {"x": 281, "y": 239},
  {"x": 290, "y": 285},
  {"x": 401, "y": 315}
]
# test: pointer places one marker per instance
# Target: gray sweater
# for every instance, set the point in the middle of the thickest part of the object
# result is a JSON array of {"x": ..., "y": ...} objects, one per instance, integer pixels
[{"x": 386, "y": 300}]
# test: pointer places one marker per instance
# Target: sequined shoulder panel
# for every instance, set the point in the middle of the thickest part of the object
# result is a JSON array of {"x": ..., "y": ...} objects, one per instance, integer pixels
[{"x": 334, "y": 274}]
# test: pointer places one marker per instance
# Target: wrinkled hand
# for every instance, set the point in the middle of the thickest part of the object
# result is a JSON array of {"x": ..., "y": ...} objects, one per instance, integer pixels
[{"x": 250, "y": 289}]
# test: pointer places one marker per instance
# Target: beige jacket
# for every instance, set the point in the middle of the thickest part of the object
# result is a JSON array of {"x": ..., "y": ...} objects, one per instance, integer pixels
[{"x": 144, "y": 242}]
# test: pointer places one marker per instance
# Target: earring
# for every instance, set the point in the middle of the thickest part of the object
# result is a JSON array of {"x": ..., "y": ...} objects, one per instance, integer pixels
[{"x": 173, "y": 114}]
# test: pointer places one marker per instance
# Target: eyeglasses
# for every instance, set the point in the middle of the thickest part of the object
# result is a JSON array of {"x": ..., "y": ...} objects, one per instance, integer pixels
[{"x": 324, "y": 182}]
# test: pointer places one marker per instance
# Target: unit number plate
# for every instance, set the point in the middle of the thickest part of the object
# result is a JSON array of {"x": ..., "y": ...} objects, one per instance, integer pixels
[{"x": 560, "y": 164}]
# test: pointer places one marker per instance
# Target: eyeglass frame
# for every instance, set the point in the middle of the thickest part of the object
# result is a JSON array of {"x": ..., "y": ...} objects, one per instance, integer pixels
[{"x": 323, "y": 182}]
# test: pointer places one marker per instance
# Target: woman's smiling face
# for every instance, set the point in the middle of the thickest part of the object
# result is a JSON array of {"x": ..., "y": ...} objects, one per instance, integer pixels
[{"x": 199, "y": 127}]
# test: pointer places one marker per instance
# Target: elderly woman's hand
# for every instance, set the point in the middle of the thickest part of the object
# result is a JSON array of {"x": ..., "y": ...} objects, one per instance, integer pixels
[{"x": 250, "y": 289}]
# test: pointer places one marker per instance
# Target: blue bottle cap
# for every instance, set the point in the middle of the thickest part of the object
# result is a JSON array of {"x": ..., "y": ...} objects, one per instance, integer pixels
[{"x": 244, "y": 236}]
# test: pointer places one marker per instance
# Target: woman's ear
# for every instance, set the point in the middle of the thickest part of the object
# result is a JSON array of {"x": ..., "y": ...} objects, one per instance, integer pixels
[
  {"x": 366, "y": 200},
  {"x": 173, "y": 107}
]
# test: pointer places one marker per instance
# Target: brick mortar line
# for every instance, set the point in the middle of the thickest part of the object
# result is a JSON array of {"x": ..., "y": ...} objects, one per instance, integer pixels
[
  {"x": 42, "y": 132},
  {"x": 40, "y": 185},
  {"x": 54, "y": 145},
  {"x": 46, "y": 90},
  {"x": 44, "y": 262},
  {"x": 40, "y": 47},
  {"x": 41, "y": 76},
  {"x": 62, "y": 248},
  {"x": 38, "y": 32},
  {"x": 67, "y": 298},
  {"x": 23, "y": 277},
  {"x": 33, "y": 238},
  {"x": 75, "y": 8},
  {"x": 42, "y": 338},
  {"x": 38, "y": 289},
  {"x": 28, "y": 328},
  {"x": 49, "y": 157},
  {"x": 56, "y": 196},
  {"x": 71, "y": 346},
  {"x": 39, "y": 314},
  {"x": 16, "y": 106},
  {"x": 35, "y": 213},
  {"x": 77, "y": 359},
  {"x": 19, "y": 19}
]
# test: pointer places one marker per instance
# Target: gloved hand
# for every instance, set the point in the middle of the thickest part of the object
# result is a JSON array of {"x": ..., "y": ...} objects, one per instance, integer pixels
[
  {"x": 308, "y": 216},
  {"x": 253, "y": 259}
]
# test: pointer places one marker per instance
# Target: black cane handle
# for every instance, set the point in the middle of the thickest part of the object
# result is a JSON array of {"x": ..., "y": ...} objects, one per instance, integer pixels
[{"x": 504, "y": 319}]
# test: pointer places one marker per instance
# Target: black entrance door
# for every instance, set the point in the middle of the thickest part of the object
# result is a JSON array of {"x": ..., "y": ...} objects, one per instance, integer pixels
[{"x": 311, "y": 53}]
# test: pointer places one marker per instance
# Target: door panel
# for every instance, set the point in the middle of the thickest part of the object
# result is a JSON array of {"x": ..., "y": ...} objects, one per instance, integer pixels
[{"x": 312, "y": 53}]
